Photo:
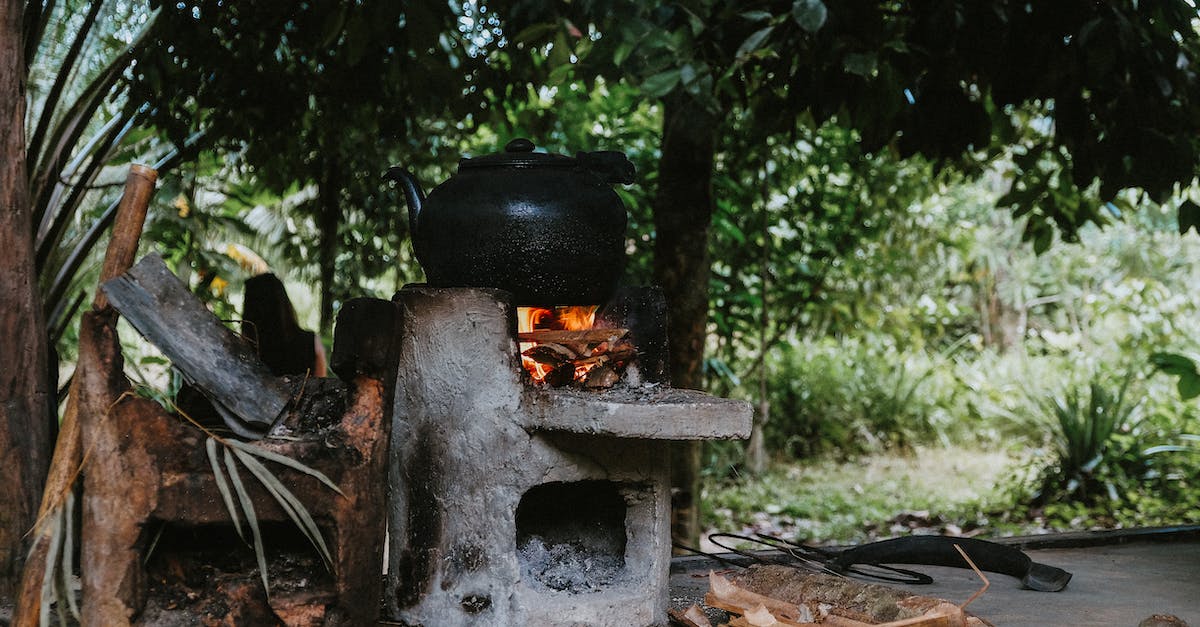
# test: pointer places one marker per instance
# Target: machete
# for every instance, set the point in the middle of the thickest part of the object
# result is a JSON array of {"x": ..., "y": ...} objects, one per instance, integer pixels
[{"x": 939, "y": 551}]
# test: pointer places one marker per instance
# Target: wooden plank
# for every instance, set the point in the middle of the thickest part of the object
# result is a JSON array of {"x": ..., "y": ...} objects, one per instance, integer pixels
[
  {"x": 586, "y": 336},
  {"x": 209, "y": 355}
]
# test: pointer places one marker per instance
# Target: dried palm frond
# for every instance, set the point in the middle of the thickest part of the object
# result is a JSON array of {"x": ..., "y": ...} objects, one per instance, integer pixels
[
  {"x": 249, "y": 455},
  {"x": 57, "y": 591}
]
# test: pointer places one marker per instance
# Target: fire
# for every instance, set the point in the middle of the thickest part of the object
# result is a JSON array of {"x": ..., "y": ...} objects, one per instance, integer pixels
[{"x": 569, "y": 318}]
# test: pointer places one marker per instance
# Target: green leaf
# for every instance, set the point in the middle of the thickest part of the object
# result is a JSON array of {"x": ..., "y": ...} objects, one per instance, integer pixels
[
  {"x": 1173, "y": 363},
  {"x": 756, "y": 16},
  {"x": 535, "y": 33},
  {"x": 1180, "y": 366},
  {"x": 1042, "y": 239},
  {"x": 694, "y": 21},
  {"x": 863, "y": 64},
  {"x": 661, "y": 84},
  {"x": 1189, "y": 217},
  {"x": 1188, "y": 386},
  {"x": 560, "y": 54},
  {"x": 809, "y": 14},
  {"x": 622, "y": 52},
  {"x": 753, "y": 42},
  {"x": 687, "y": 74}
]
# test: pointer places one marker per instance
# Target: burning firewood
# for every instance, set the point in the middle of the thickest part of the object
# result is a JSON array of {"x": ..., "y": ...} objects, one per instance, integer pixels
[
  {"x": 552, "y": 355},
  {"x": 585, "y": 336},
  {"x": 591, "y": 358},
  {"x": 601, "y": 377},
  {"x": 561, "y": 375}
]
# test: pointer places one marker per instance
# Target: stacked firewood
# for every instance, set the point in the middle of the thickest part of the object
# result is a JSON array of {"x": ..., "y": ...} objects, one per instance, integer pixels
[{"x": 592, "y": 359}]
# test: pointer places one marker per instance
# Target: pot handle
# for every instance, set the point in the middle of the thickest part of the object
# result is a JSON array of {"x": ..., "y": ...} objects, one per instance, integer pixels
[
  {"x": 412, "y": 194},
  {"x": 611, "y": 165}
]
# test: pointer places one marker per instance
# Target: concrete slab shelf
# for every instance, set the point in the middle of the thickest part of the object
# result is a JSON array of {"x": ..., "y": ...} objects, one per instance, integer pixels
[{"x": 647, "y": 412}]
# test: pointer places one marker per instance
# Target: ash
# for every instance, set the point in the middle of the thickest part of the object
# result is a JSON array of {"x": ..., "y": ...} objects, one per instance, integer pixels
[{"x": 568, "y": 567}]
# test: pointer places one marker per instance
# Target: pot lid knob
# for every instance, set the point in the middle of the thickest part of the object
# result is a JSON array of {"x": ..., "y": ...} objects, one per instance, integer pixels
[{"x": 519, "y": 145}]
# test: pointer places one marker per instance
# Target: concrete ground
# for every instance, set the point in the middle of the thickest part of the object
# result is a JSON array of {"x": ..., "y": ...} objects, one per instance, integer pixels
[{"x": 1119, "y": 578}]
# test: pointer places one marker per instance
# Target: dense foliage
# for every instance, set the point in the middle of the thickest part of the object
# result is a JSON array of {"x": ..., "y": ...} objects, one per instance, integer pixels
[{"x": 817, "y": 190}]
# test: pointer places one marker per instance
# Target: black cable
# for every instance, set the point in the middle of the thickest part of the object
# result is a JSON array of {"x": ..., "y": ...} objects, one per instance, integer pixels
[{"x": 804, "y": 558}]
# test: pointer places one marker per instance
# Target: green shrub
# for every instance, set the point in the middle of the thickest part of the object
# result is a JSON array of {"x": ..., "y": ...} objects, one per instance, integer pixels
[
  {"x": 852, "y": 397},
  {"x": 1090, "y": 424}
]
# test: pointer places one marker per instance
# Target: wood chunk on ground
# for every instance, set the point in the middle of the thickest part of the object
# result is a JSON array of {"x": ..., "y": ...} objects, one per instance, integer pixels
[
  {"x": 691, "y": 617},
  {"x": 793, "y": 597}
]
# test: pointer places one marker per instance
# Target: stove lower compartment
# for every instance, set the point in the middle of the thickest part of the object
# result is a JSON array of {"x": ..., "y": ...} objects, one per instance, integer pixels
[{"x": 520, "y": 505}]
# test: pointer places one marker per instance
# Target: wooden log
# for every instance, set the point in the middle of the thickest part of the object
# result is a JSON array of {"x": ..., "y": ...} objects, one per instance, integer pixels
[
  {"x": 65, "y": 465},
  {"x": 852, "y": 603},
  {"x": 548, "y": 355},
  {"x": 725, "y": 595},
  {"x": 587, "y": 336},
  {"x": 206, "y": 352},
  {"x": 691, "y": 617},
  {"x": 364, "y": 339},
  {"x": 601, "y": 377}
]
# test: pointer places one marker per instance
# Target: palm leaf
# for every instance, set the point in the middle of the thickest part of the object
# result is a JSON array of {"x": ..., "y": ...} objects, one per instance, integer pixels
[
  {"x": 251, "y": 517},
  {"x": 288, "y": 501},
  {"x": 286, "y": 461},
  {"x": 49, "y": 590},
  {"x": 68, "y": 553},
  {"x": 223, "y": 486}
]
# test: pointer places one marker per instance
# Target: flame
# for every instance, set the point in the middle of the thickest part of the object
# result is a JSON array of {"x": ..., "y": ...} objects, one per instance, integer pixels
[{"x": 568, "y": 318}]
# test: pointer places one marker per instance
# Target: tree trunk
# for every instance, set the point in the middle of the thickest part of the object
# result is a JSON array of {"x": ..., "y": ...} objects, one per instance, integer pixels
[
  {"x": 25, "y": 389},
  {"x": 756, "y": 450},
  {"x": 682, "y": 214},
  {"x": 328, "y": 218}
]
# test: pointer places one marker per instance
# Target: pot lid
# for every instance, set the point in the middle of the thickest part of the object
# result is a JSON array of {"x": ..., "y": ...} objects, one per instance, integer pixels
[{"x": 519, "y": 153}]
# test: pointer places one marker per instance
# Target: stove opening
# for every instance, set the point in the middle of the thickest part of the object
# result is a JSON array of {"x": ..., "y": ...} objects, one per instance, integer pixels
[
  {"x": 571, "y": 536},
  {"x": 565, "y": 346}
]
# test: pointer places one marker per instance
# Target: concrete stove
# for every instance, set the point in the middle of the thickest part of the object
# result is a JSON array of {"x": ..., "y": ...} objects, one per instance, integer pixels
[{"x": 516, "y": 504}]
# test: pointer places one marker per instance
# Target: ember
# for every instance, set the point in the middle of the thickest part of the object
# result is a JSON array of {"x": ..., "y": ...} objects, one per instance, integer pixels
[{"x": 561, "y": 346}]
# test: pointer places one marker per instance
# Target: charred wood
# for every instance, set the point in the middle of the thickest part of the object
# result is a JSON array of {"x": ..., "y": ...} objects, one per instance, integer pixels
[
  {"x": 364, "y": 339},
  {"x": 208, "y": 354}
]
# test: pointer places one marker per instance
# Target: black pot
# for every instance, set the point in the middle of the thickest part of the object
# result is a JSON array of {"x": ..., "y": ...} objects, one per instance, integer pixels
[{"x": 548, "y": 228}]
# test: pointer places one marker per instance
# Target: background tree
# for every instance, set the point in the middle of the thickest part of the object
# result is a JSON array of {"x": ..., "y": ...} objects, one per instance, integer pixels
[
  {"x": 25, "y": 389},
  {"x": 322, "y": 94},
  {"x": 940, "y": 79}
]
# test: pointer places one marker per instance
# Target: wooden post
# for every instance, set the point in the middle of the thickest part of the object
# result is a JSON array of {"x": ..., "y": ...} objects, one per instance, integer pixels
[
  {"x": 65, "y": 465},
  {"x": 127, "y": 227}
]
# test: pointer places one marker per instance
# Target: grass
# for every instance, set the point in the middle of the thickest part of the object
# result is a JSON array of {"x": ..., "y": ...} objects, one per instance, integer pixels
[{"x": 828, "y": 501}]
